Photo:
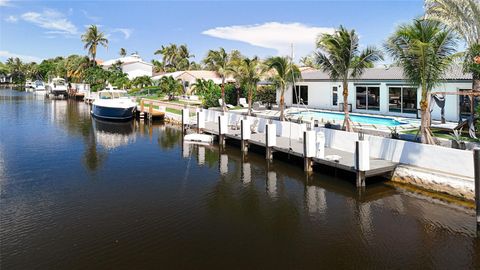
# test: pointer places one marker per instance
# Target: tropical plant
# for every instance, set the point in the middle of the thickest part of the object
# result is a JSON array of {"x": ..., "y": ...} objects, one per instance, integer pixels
[
  {"x": 425, "y": 50},
  {"x": 219, "y": 61},
  {"x": 16, "y": 68},
  {"x": 340, "y": 56},
  {"x": 248, "y": 73},
  {"x": 92, "y": 38},
  {"x": 122, "y": 52},
  {"x": 285, "y": 73},
  {"x": 462, "y": 16},
  {"x": 174, "y": 57},
  {"x": 209, "y": 91},
  {"x": 142, "y": 81},
  {"x": 170, "y": 86},
  {"x": 308, "y": 61}
]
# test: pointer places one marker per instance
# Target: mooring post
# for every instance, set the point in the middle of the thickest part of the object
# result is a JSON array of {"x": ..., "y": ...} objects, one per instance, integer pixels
[
  {"x": 476, "y": 165},
  {"x": 222, "y": 129},
  {"x": 150, "y": 111},
  {"x": 270, "y": 140},
  {"x": 308, "y": 149},
  {"x": 185, "y": 119},
  {"x": 244, "y": 134},
  {"x": 200, "y": 120},
  {"x": 362, "y": 161}
]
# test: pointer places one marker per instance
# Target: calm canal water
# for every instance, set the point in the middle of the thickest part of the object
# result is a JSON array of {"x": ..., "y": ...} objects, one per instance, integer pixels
[{"x": 78, "y": 193}]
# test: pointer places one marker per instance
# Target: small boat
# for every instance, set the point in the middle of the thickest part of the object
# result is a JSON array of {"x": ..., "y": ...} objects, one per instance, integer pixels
[
  {"x": 113, "y": 104},
  {"x": 198, "y": 138},
  {"x": 58, "y": 86},
  {"x": 29, "y": 86},
  {"x": 38, "y": 86}
]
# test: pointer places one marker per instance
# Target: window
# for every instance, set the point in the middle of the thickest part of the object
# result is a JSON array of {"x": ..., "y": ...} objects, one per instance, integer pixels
[
  {"x": 402, "y": 99},
  {"x": 335, "y": 96},
  {"x": 368, "y": 98},
  {"x": 301, "y": 91}
]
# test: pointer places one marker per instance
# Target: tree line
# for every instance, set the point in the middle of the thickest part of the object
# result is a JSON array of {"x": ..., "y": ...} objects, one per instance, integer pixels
[{"x": 425, "y": 48}]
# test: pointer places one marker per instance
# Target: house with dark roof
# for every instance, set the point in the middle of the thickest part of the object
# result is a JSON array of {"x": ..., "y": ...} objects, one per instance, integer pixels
[{"x": 384, "y": 91}]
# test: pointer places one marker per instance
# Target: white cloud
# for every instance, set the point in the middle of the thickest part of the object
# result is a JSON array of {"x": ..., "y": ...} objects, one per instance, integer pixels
[
  {"x": 5, "y": 3},
  {"x": 52, "y": 20},
  {"x": 11, "y": 19},
  {"x": 26, "y": 58},
  {"x": 90, "y": 17},
  {"x": 273, "y": 35},
  {"x": 127, "y": 32}
]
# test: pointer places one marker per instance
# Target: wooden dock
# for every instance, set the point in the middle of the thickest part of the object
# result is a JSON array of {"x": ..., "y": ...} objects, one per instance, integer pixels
[
  {"x": 147, "y": 110},
  {"x": 296, "y": 147}
]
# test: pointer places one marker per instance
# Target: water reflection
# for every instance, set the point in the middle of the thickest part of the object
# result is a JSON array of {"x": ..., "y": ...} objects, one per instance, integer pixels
[{"x": 111, "y": 135}]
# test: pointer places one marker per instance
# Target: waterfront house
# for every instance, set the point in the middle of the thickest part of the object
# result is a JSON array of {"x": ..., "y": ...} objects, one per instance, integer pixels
[
  {"x": 6, "y": 78},
  {"x": 132, "y": 65},
  {"x": 383, "y": 91},
  {"x": 189, "y": 77}
]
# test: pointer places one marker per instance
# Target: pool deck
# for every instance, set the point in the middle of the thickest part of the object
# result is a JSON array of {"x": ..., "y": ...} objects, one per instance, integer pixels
[{"x": 295, "y": 147}]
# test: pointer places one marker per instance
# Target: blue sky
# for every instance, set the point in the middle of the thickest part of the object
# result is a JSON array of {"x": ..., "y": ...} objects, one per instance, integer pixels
[{"x": 37, "y": 30}]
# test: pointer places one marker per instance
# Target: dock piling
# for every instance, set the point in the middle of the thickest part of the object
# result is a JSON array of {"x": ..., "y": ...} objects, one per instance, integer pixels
[
  {"x": 308, "y": 149},
  {"x": 476, "y": 164},
  {"x": 222, "y": 129},
  {"x": 200, "y": 120},
  {"x": 185, "y": 119},
  {"x": 362, "y": 161},
  {"x": 244, "y": 134},
  {"x": 270, "y": 140}
]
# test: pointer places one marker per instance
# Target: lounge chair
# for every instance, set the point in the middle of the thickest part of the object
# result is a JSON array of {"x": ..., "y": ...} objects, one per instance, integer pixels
[
  {"x": 258, "y": 106},
  {"x": 236, "y": 125},
  {"x": 230, "y": 106},
  {"x": 254, "y": 126},
  {"x": 243, "y": 102}
]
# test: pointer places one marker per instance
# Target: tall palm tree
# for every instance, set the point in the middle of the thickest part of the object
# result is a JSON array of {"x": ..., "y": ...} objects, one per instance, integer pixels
[
  {"x": 340, "y": 56},
  {"x": 425, "y": 50},
  {"x": 248, "y": 73},
  {"x": 462, "y": 16},
  {"x": 219, "y": 61},
  {"x": 92, "y": 38},
  {"x": 122, "y": 52},
  {"x": 285, "y": 73}
]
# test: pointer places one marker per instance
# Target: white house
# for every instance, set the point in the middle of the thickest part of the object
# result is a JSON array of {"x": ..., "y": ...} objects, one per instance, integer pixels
[
  {"x": 189, "y": 77},
  {"x": 5, "y": 78},
  {"x": 132, "y": 65},
  {"x": 387, "y": 89}
]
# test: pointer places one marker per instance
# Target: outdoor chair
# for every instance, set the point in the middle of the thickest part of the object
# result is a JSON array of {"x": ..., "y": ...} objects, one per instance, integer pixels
[
  {"x": 243, "y": 102},
  {"x": 220, "y": 101},
  {"x": 258, "y": 106},
  {"x": 254, "y": 126}
]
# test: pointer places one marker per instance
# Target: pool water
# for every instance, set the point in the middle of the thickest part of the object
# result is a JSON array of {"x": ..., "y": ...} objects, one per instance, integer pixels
[{"x": 362, "y": 119}]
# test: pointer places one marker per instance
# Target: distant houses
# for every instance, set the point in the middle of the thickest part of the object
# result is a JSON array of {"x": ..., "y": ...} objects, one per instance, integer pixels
[
  {"x": 189, "y": 77},
  {"x": 383, "y": 91},
  {"x": 5, "y": 78},
  {"x": 132, "y": 65}
]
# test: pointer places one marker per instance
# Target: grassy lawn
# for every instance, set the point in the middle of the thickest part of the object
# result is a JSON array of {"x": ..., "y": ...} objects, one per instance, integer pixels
[
  {"x": 175, "y": 111},
  {"x": 444, "y": 134}
]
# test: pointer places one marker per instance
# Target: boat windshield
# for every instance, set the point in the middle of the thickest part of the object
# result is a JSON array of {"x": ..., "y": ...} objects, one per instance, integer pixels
[{"x": 111, "y": 95}]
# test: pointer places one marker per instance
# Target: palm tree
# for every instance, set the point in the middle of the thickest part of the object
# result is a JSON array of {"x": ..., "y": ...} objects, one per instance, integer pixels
[
  {"x": 170, "y": 86},
  {"x": 219, "y": 61},
  {"x": 462, "y": 16},
  {"x": 123, "y": 52},
  {"x": 307, "y": 61},
  {"x": 425, "y": 50},
  {"x": 248, "y": 73},
  {"x": 285, "y": 72},
  {"x": 339, "y": 55},
  {"x": 92, "y": 38}
]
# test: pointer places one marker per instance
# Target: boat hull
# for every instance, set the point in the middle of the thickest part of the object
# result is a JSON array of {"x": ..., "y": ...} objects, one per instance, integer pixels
[{"x": 113, "y": 113}]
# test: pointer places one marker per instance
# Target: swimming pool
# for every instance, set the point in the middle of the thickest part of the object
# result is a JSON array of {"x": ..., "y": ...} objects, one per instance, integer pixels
[{"x": 362, "y": 119}]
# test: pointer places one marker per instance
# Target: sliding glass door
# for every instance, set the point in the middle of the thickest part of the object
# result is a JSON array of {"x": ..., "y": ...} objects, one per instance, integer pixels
[
  {"x": 368, "y": 98},
  {"x": 302, "y": 92},
  {"x": 402, "y": 99}
]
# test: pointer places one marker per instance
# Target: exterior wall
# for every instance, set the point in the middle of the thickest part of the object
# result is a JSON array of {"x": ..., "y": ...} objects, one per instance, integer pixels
[
  {"x": 134, "y": 70},
  {"x": 320, "y": 97}
]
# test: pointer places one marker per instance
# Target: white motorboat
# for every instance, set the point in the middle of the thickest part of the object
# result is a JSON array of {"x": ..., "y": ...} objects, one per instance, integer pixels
[
  {"x": 38, "y": 86},
  {"x": 198, "y": 138},
  {"x": 113, "y": 104},
  {"x": 29, "y": 86},
  {"x": 58, "y": 86}
]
